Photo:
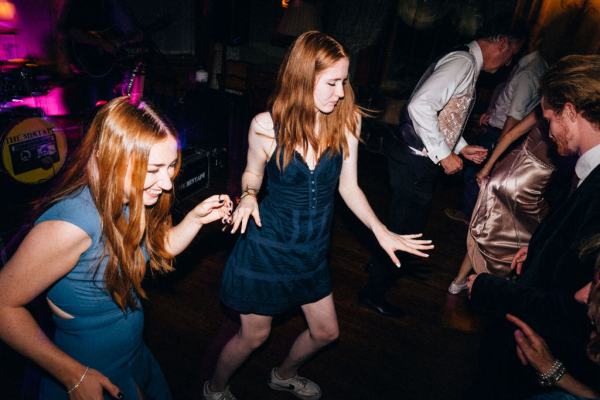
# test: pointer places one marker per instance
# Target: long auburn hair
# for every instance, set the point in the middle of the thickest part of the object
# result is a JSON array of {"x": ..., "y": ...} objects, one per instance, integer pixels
[
  {"x": 121, "y": 136},
  {"x": 292, "y": 104}
]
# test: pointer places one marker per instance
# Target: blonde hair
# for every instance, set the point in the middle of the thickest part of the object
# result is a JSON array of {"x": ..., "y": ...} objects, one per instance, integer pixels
[
  {"x": 574, "y": 79},
  {"x": 293, "y": 106},
  {"x": 120, "y": 137}
]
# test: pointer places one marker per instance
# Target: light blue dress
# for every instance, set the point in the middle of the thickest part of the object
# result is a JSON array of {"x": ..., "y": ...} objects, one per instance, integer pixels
[
  {"x": 100, "y": 335},
  {"x": 559, "y": 395}
]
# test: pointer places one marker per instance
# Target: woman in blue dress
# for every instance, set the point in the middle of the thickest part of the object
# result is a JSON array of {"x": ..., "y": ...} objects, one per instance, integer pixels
[
  {"x": 105, "y": 221},
  {"x": 308, "y": 146}
]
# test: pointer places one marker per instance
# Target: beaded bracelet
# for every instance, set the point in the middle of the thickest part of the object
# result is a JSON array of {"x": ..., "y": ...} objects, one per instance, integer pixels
[
  {"x": 80, "y": 380},
  {"x": 544, "y": 376},
  {"x": 553, "y": 375}
]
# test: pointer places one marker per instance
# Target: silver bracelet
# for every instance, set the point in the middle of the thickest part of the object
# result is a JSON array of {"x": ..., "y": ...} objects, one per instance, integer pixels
[{"x": 80, "y": 380}]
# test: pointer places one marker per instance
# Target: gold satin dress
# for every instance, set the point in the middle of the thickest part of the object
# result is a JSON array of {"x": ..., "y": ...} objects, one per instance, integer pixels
[{"x": 510, "y": 206}]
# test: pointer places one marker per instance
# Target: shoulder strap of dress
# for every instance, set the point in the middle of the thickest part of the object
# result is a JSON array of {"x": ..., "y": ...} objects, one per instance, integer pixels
[{"x": 274, "y": 127}]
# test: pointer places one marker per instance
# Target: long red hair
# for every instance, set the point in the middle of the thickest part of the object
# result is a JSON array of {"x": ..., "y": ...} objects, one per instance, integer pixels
[
  {"x": 121, "y": 136},
  {"x": 293, "y": 107}
]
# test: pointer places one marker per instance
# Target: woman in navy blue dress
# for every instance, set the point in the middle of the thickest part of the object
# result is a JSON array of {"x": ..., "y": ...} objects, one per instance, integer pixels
[
  {"x": 89, "y": 249},
  {"x": 307, "y": 145}
]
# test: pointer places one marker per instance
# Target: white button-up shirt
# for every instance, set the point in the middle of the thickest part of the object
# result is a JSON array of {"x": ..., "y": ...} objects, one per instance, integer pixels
[
  {"x": 520, "y": 93},
  {"x": 454, "y": 75},
  {"x": 587, "y": 163}
]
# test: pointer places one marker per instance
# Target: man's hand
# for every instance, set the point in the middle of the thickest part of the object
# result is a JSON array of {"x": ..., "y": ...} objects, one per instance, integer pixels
[
  {"x": 477, "y": 154},
  {"x": 484, "y": 119},
  {"x": 451, "y": 164},
  {"x": 471, "y": 282}
]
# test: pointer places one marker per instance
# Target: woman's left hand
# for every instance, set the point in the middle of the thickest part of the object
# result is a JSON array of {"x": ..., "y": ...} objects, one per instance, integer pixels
[
  {"x": 531, "y": 347},
  {"x": 218, "y": 206},
  {"x": 392, "y": 242}
]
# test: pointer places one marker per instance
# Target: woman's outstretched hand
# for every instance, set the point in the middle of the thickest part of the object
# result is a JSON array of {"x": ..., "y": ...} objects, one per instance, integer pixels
[
  {"x": 247, "y": 207},
  {"x": 215, "y": 207},
  {"x": 392, "y": 242}
]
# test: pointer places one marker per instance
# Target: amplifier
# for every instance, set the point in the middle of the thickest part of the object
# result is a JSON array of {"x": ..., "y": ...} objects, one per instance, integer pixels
[{"x": 195, "y": 172}]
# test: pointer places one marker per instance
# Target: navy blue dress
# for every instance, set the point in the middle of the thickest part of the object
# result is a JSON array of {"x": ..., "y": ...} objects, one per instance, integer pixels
[{"x": 285, "y": 263}]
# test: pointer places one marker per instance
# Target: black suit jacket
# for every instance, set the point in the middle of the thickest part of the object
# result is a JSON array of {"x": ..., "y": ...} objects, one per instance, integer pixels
[{"x": 544, "y": 295}]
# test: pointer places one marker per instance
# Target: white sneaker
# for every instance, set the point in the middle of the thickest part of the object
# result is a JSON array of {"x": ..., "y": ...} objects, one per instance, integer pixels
[
  {"x": 299, "y": 386},
  {"x": 456, "y": 288},
  {"x": 210, "y": 395}
]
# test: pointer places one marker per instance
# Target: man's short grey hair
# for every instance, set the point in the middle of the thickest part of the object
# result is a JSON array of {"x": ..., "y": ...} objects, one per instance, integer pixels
[{"x": 495, "y": 30}]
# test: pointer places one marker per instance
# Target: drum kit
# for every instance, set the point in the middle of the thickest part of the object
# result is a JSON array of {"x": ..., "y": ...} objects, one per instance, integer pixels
[{"x": 32, "y": 146}]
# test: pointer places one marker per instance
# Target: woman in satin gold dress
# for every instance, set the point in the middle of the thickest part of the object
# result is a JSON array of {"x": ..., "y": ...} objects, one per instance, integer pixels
[{"x": 511, "y": 202}]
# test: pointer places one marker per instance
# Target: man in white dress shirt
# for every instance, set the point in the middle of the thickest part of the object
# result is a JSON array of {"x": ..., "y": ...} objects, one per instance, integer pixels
[{"x": 429, "y": 138}]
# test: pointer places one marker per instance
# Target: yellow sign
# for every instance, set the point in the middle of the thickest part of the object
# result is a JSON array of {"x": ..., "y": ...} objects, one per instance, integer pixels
[{"x": 33, "y": 150}]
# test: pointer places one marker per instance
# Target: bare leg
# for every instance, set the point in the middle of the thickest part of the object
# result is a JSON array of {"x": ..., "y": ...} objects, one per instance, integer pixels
[
  {"x": 254, "y": 331},
  {"x": 465, "y": 269},
  {"x": 322, "y": 330}
]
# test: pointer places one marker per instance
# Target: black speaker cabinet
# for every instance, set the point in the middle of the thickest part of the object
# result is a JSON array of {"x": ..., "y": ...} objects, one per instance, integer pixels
[{"x": 194, "y": 174}]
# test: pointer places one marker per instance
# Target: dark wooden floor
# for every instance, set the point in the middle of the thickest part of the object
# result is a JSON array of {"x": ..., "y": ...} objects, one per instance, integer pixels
[{"x": 428, "y": 354}]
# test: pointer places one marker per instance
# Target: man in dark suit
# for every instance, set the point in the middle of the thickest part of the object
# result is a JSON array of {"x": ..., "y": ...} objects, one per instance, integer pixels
[{"x": 552, "y": 267}]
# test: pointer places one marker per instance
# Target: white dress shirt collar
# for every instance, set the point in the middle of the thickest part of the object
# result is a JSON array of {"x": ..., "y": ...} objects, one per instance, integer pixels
[
  {"x": 475, "y": 51},
  {"x": 529, "y": 58},
  {"x": 587, "y": 162}
]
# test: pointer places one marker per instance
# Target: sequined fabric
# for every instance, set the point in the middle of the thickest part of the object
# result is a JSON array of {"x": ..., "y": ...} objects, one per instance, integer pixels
[{"x": 453, "y": 117}]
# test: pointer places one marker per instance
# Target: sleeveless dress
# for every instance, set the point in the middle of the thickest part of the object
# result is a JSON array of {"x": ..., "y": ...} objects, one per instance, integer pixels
[
  {"x": 100, "y": 335},
  {"x": 510, "y": 206},
  {"x": 285, "y": 263}
]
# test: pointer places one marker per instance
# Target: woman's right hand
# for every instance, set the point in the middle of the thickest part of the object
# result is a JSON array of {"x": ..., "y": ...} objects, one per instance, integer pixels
[
  {"x": 247, "y": 207},
  {"x": 93, "y": 387},
  {"x": 482, "y": 176}
]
